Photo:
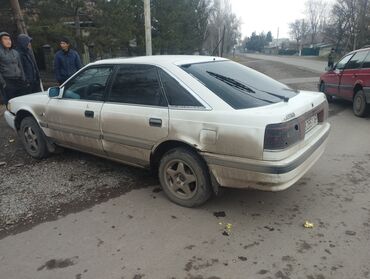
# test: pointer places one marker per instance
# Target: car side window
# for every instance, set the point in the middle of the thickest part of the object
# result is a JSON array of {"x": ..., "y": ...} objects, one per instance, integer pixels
[
  {"x": 366, "y": 63},
  {"x": 89, "y": 84},
  {"x": 176, "y": 94},
  {"x": 342, "y": 63},
  {"x": 137, "y": 84},
  {"x": 356, "y": 60}
]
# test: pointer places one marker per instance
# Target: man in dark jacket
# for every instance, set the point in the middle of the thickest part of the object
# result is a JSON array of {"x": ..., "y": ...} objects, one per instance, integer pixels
[
  {"x": 12, "y": 80},
  {"x": 66, "y": 61},
  {"x": 30, "y": 68}
]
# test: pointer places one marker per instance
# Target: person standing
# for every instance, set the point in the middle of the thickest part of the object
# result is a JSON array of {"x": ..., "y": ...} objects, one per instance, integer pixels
[
  {"x": 331, "y": 58},
  {"x": 66, "y": 61},
  {"x": 12, "y": 79},
  {"x": 31, "y": 71}
]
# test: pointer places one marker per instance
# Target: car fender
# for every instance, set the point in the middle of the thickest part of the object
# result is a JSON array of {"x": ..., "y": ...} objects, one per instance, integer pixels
[
  {"x": 358, "y": 84},
  {"x": 25, "y": 111}
]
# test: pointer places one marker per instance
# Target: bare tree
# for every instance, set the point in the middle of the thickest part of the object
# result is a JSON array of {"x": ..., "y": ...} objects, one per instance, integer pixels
[
  {"x": 363, "y": 23},
  {"x": 203, "y": 12},
  {"x": 349, "y": 24},
  {"x": 315, "y": 12},
  {"x": 222, "y": 18},
  {"x": 298, "y": 30},
  {"x": 18, "y": 16}
]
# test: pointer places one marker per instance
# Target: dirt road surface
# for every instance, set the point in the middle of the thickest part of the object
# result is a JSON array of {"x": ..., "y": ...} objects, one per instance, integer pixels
[{"x": 78, "y": 216}]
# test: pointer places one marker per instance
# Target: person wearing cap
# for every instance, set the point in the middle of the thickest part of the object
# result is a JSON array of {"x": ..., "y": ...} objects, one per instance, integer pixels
[
  {"x": 30, "y": 68},
  {"x": 66, "y": 61},
  {"x": 12, "y": 79}
]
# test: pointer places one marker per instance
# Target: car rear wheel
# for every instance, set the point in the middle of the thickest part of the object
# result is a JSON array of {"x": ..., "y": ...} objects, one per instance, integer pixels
[
  {"x": 322, "y": 89},
  {"x": 184, "y": 177},
  {"x": 33, "y": 138},
  {"x": 360, "y": 107}
]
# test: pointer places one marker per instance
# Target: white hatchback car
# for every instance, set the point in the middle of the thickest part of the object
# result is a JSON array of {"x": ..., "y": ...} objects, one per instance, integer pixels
[{"x": 201, "y": 122}]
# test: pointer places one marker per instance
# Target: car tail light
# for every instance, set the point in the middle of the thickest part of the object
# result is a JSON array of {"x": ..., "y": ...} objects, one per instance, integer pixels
[{"x": 282, "y": 135}]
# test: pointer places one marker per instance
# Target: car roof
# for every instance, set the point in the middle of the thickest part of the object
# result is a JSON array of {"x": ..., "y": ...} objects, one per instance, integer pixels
[
  {"x": 161, "y": 60},
  {"x": 359, "y": 50}
]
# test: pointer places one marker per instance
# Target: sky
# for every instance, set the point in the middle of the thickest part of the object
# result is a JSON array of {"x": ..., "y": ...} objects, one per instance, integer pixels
[{"x": 267, "y": 15}]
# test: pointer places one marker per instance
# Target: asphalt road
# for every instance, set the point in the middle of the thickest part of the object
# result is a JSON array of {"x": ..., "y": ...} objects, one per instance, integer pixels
[
  {"x": 140, "y": 234},
  {"x": 309, "y": 63}
]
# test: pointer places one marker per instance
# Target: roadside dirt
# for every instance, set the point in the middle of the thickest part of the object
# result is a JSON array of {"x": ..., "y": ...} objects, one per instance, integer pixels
[{"x": 33, "y": 191}]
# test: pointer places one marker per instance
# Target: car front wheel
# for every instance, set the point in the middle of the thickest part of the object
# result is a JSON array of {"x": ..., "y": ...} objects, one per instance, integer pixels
[
  {"x": 184, "y": 177},
  {"x": 360, "y": 107},
  {"x": 33, "y": 138}
]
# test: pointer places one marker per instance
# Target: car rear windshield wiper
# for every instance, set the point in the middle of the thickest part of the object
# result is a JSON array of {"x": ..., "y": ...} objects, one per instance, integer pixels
[
  {"x": 231, "y": 82},
  {"x": 238, "y": 85},
  {"x": 284, "y": 98},
  {"x": 242, "y": 86}
]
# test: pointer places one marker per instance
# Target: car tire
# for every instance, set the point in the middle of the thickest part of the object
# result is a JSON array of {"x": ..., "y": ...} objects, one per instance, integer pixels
[
  {"x": 184, "y": 177},
  {"x": 360, "y": 107},
  {"x": 33, "y": 139},
  {"x": 329, "y": 98}
]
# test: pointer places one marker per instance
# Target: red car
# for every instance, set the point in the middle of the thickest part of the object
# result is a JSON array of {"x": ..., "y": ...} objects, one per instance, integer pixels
[{"x": 350, "y": 79}]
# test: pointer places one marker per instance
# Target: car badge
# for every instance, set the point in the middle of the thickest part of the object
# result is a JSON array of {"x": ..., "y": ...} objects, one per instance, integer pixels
[{"x": 289, "y": 116}]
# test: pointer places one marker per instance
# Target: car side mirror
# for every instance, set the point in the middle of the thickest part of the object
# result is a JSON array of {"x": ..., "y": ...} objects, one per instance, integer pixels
[
  {"x": 54, "y": 92},
  {"x": 327, "y": 68}
]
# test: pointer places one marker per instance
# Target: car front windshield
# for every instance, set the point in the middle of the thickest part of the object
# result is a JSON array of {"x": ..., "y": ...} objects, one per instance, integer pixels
[
  {"x": 239, "y": 86},
  {"x": 342, "y": 63}
]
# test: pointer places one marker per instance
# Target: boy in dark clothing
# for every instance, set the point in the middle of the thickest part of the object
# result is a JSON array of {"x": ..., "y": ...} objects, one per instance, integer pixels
[
  {"x": 30, "y": 68},
  {"x": 12, "y": 79},
  {"x": 331, "y": 58},
  {"x": 66, "y": 61}
]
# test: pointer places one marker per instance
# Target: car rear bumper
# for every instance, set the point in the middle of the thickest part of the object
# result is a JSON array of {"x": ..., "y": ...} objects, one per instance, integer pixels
[
  {"x": 10, "y": 119},
  {"x": 238, "y": 172}
]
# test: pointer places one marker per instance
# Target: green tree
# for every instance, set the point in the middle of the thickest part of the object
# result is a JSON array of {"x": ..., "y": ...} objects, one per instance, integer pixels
[
  {"x": 257, "y": 42},
  {"x": 177, "y": 26},
  {"x": 180, "y": 26},
  {"x": 116, "y": 23},
  {"x": 269, "y": 37},
  {"x": 48, "y": 21}
]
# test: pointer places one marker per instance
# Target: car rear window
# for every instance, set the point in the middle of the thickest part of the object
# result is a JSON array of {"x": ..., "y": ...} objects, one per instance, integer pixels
[
  {"x": 238, "y": 85},
  {"x": 366, "y": 63}
]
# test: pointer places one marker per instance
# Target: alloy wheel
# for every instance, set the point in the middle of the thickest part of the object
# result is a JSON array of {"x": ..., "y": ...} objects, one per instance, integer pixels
[
  {"x": 31, "y": 139},
  {"x": 181, "y": 179}
]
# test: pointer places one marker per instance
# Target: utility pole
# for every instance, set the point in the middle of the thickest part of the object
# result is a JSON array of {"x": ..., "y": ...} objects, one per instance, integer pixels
[
  {"x": 219, "y": 41},
  {"x": 223, "y": 42},
  {"x": 21, "y": 26},
  {"x": 148, "y": 27}
]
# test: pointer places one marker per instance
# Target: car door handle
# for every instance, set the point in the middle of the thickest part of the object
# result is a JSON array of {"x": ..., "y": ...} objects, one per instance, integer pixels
[
  {"x": 155, "y": 122},
  {"x": 354, "y": 75},
  {"x": 89, "y": 114}
]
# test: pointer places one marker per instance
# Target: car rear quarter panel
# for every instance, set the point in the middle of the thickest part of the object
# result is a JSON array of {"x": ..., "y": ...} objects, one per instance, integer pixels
[
  {"x": 218, "y": 132},
  {"x": 238, "y": 133}
]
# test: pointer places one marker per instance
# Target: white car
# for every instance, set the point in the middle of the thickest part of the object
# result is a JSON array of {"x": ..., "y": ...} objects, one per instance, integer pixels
[{"x": 201, "y": 122}]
